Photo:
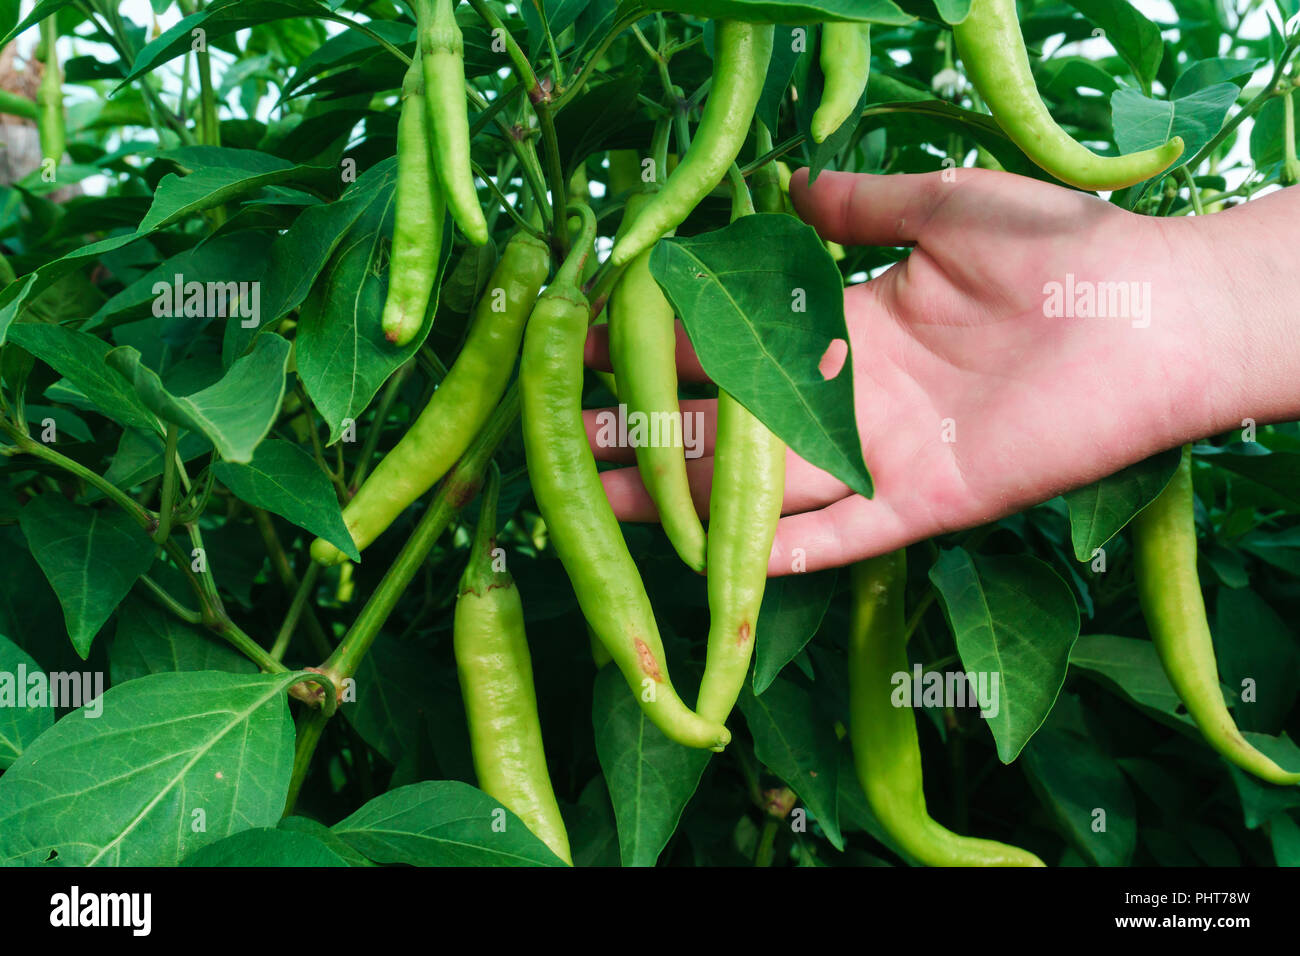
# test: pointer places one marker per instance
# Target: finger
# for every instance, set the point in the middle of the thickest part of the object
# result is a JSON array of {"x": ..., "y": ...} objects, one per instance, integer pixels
[
  {"x": 607, "y": 431},
  {"x": 806, "y": 486},
  {"x": 595, "y": 353},
  {"x": 865, "y": 210},
  {"x": 851, "y": 529}
]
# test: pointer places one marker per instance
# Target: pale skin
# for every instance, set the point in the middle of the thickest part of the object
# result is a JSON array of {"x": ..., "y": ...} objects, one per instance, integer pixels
[{"x": 971, "y": 403}]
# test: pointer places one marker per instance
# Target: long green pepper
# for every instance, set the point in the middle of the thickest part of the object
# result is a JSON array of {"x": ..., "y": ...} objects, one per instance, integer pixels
[
  {"x": 459, "y": 407},
  {"x": 741, "y": 55},
  {"x": 442, "y": 57},
  {"x": 886, "y": 748},
  {"x": 845, "y": 60},
  {"x": 643, "y": 351},
  {"x": 496, "y": 685},
  {"x": 744, "y": 508},
  {"x": 1169, "y": 591},
  {"x": 421, "y": 212},
  {"x": 991, "y": 45},
  {"x": 578, "y": 517}
]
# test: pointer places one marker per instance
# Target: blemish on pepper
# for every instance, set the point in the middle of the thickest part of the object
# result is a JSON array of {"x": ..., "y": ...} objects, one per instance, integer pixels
[
  {"x": 649, "y": 666},
  {"x": 742, "y": 635}
]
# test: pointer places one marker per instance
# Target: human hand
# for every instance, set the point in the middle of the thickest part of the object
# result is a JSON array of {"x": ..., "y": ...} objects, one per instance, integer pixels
[{"x": 973, "y": 401}]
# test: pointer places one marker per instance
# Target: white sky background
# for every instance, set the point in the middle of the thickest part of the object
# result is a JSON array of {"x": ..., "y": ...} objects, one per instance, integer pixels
[{"x": 140, "y": 12}]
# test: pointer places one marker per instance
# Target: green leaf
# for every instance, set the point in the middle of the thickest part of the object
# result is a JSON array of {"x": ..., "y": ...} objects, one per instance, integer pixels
[
  {"x": 796, "y": 743},
  {"x": 792, "y": 611},
  {"x": 1083, "y": 788},
  {"x": 266, "y": 846},
  {"x": 1254, "y": 644},
  {"x": 234, "y": 414},
  {"x": 788, "y": 11},
  {"x": 1098, "y": 511},
  {"x": 19, "y": 726},
  {"x": 1132, "y": 667},
  {"x": 394, "y": 695},
  {"x": 323, "y": 834},
  {"x": 340, "y": 349},
  {"x": 1142, "y": 123},
  {"x": 174, "y": 762},
  {"x": 79, "y": 358},
  {"x": 1135, "y": 38},
  {"x": 650, "y": 778},
  {"x": 236, "y": 257},
  {"x": 218, "y": 19},
  {"x": 90, "y": 556},
  {"x": 762, "y": 300},
  {"x": 779, "y": 71},
  {"x": 139, "y": 456},
  {"x": 148, "y": 640},
  {"x": 1204, "y": 73},
  {"x": 1284, "y": 834},
  {"x": 284, "y": 479},
  {"x": 442, "y": 823},
  {"x": 1275, "y": 475},
  {"x": 1013, "y": 616},
  {"x": 1268, "y": 132}
]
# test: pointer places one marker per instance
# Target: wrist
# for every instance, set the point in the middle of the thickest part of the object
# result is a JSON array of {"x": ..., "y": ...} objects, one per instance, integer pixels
[{"x": 1243, "y": 297}]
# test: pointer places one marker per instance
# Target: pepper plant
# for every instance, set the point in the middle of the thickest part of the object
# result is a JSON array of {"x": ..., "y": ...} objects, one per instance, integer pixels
[{"x": 316, "y": 317}]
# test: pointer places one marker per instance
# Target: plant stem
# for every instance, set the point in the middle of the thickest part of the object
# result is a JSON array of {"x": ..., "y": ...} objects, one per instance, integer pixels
[
  {"x": 288, "y": 580},
  {"x": 295, "y": 612},
  {"x": 523, "y": 69},
  {"x": 168, "y": 602},
  {"x": 167, "y": 501},
  {"x": 390, "y": 393},
  {"x": 457, "y": 490},
  {"x": 570, "y": 90},
  {"x": 311, "y": 724},
  {"x": 555, "y": 173}
]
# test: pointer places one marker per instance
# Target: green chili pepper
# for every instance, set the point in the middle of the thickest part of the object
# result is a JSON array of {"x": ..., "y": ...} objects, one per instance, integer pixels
[
  {"x": 461, "y": 404},
  {"x": 846, "y": 65},
  {"x": 421, "y": 212},
  {"x": 442, "y": 57},
  {"x": 496, "y": 684},
  {"x": 741, "y": 55},
  {"x": 1164, "y": 540},
  {"x": 991, "y": 45},
  {"x": 643, "y": 351},
  {"x": 886, "y": 749},
  {"x": 49, "y": 96},
  {"x": 578, "y": 517},
  {"x": 744, "y": 508}
]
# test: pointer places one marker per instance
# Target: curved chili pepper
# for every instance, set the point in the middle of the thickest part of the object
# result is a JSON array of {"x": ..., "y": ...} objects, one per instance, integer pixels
[
  {"x": 886, "y": 749},
  {"x": 741, "y": 55},
  {"x": 578, "y": 517},
  {"x": 459, "y": 407},
  {"x": 991, "y": 45},
  {"x": 1169, "y": 590},
  {"x": 845, "y": 59},
  {"x": 744, "y": 508}
]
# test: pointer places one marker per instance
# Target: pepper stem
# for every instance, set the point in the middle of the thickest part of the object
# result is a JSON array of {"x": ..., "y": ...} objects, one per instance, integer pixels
[{"x": 569, "y": 275}]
